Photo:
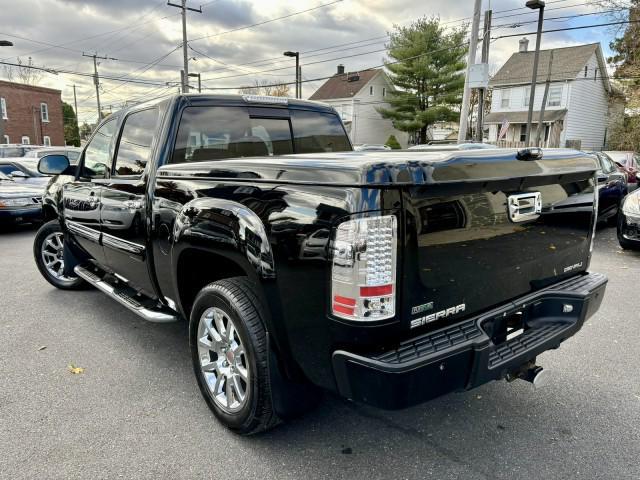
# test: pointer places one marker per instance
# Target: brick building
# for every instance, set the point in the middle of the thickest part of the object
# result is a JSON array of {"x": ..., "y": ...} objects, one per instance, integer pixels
[{"x": 30, "y": 114}]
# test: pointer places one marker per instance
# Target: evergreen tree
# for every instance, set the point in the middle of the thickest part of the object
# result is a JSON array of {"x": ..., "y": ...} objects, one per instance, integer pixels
[
  {"x": 70, "y": 121},
  {"x": 392, "y": 142},
  {"x": 426, "y": 65}
]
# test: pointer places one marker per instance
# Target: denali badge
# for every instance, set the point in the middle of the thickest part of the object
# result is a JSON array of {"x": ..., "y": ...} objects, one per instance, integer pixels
[
  {"x": 418, "y": 322},
  {"x": 572, "y": 267}
]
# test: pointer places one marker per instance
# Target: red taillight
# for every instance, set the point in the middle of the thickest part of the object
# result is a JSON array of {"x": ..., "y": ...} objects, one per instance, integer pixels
[{"x": 364, "y": 268}]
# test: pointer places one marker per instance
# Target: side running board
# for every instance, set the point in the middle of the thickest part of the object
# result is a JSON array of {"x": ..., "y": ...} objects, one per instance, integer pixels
[{"x": 127, "y": 297}]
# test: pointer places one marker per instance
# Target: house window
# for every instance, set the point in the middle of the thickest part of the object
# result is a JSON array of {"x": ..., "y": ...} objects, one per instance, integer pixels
[
  {"x": 6, "y": 139},
  {"x": 595, "y": 74},
  {"x": 555, "y": 97},
  {"x": 3, "y": 108},
  {"x": 384, "y": 91},
  {"x": 44, "y": 112},
  {"x": 547, "y": 130},
  {"x": 47, "y": 141},
  {"x": 25, "y": 140},
  {"x": 527, "y": 96},
  {"x": 371, "y": 90},
  {"x": 523, "y": 132},
  {"x": 505, "y": 98},
  {"x": 586, "y": 69}
]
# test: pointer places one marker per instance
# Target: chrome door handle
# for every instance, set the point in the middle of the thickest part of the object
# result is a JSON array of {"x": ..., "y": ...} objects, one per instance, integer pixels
[{"x": 133, "y": 204}]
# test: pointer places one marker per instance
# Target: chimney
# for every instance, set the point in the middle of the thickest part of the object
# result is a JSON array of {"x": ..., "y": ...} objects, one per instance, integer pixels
[
  {"x": 340, "y": 69},
  {"x": 524, "y": 45}
]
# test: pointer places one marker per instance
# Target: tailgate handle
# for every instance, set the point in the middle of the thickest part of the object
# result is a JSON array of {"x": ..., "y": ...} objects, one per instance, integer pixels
[{"x": 524, "y": 206}]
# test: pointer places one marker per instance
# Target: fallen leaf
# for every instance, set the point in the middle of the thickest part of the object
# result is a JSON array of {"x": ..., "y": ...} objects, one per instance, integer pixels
[
  {"x": 42, "y": 348},
  {"x": 552, "y": 247},
  {"x": 75, "y": 370}
]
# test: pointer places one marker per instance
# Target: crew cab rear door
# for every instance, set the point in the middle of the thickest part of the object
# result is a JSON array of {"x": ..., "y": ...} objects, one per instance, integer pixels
[{"x": 123, "y": 207}]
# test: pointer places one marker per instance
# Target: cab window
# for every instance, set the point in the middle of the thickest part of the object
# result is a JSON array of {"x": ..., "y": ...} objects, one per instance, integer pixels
[
  {"x": 97, "y": 156},
  {"x": 134, "y": 148}
]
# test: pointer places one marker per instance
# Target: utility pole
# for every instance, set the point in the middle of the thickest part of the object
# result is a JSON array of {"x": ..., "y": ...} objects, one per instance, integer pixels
[
  {"x": 534, "y": 5},
  {"x": 544, "y": 100},
  {"x": 96, "y": 79},
  {"x": 185, "y": 46},
  {"x": 75, "y": 106},
  {"x": 486, "y": 42},
  {"x": 299, "y": 82},
  {"x": 473, "y": 45}
]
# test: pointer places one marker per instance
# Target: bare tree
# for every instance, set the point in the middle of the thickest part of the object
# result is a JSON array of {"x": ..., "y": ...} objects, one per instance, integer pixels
[
  {"x": 23, "y": 72},
  {"x": 272, "y": 88}
]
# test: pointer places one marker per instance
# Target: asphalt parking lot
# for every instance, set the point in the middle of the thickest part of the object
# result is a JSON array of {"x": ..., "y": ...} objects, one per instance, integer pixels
[{"x": 136, "y": 411}]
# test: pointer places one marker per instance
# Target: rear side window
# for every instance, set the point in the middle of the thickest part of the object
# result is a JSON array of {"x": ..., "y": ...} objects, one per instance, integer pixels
[
  {"x": 136, "y": 140},
  {"x": 315, "y": 132},
  {"x": 216, "y": 133}
]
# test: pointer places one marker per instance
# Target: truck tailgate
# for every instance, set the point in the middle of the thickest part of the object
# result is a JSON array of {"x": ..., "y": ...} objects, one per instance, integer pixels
[{"x": 467, "y": 251}]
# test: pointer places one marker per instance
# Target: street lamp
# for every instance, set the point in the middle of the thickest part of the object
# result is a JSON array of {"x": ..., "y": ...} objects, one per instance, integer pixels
[
  {"x": 6, "y": 43},
  {"x": 297, "y": 56},
  {"x": 534, "y": 5}
]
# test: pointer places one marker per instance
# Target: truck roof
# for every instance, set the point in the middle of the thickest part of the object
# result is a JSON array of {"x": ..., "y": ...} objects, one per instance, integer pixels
[{"x": 212, "y": 99}]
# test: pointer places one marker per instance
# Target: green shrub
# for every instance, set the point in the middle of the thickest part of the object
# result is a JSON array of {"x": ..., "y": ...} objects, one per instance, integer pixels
[{"x": 392, "y": 142}]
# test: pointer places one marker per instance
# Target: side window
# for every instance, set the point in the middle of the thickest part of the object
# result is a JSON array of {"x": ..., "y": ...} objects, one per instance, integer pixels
[
  {"x": 97, "y": 157},
  {"x": 555, "y": 97},
  {"x": 134, "y": 148},
  {"x": 315, "y": 132}
]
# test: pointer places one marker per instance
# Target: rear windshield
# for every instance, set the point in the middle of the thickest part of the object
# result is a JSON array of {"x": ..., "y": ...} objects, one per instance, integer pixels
[
  {"x": 12, "y": 152},
  {"x": 216, "y": 133}
]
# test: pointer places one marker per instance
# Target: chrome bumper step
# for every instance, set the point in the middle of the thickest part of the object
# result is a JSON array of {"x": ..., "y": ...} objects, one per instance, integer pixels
[{"x": 123, "y": 295}]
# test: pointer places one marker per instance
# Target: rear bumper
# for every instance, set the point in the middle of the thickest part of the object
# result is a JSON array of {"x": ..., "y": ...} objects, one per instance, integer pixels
[
  {"x": 20, "y": 214},
  {"x": 463, "y": 356}
]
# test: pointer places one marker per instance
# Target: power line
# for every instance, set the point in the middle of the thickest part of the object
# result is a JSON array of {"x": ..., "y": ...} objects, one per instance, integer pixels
[{"x": 257, "y": 24}]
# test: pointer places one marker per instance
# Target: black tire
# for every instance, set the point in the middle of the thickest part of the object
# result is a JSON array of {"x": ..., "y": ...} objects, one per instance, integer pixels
[
  {"x": 235, "y": 298},
  {"x": 63, "y": 282}
]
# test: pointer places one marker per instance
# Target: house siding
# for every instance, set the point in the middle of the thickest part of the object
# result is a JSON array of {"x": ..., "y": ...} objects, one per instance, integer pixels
[
  {"x": 366, "y": 124},
  {"x": 588, "y": 106}
]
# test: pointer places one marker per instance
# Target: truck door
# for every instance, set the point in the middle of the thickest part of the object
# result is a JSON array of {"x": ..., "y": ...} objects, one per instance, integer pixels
[
  {"x": 123, "y": 206},
  {"x": 81, "y": 198}
]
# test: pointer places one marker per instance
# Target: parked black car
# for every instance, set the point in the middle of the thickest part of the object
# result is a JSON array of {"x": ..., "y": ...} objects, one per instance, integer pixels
[
  {"x": 629, "y": 222},
  {"x": 388, "y": 277},
  {"x": 612, "y": 188},
  {"x": 19, "y": 203}
]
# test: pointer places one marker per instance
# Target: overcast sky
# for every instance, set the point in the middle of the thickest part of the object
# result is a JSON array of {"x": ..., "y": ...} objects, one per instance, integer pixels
[{"x": 144, "y": 36}]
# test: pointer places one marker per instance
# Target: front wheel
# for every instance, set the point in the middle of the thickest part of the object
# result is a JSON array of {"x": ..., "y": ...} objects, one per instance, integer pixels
[
  {"x": 230, "y": 355},
  {"x": 48, "y": 251}
]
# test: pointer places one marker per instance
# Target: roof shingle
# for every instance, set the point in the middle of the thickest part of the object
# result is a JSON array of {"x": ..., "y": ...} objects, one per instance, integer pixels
[
  {"x": 568, "y": 62},
  {"x": 339, "y": 85}
]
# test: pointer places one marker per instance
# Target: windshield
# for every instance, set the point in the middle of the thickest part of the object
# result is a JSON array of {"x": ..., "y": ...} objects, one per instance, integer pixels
[{"x": 9, "y": 152}]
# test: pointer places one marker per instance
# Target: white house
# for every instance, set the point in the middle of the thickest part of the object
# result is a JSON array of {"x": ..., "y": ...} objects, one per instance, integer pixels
[
  {"x": 355, "y": 96},
  {"x": 577, "y": 107}
]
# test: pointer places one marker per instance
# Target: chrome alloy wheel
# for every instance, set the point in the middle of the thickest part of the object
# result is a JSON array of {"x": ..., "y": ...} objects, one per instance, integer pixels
[
  {"x": 223, "y": 360},
  {"x": 53, "y": 257}
]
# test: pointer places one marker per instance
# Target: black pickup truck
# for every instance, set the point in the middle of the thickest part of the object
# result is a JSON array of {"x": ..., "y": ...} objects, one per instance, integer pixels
[{"x": 388, "y": 277}]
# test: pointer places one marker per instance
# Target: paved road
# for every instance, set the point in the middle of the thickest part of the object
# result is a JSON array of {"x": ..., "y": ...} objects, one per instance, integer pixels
[{"x": 136, "y": 411}]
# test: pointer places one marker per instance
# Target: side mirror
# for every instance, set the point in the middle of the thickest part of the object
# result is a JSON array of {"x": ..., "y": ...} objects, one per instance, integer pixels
[
  {"x": 19, "y": 174},
  {"x": 602, "y": 178},
  {"x": 53, "y": 164}
]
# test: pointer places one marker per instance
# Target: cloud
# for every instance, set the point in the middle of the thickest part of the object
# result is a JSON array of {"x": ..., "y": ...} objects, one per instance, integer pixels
[{"x": 139, "y": 32}]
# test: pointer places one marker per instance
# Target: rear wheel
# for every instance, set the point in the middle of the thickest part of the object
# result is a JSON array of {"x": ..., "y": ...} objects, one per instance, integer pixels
[
  {"x": 48, "y": 251},
  {"x": 230, "y": 355}
]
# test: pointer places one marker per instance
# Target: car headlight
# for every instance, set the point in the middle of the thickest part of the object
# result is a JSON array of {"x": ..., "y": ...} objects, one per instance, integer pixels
[
  {"x": 631, "y": 205},
  {"x": 16, "y": 202}
]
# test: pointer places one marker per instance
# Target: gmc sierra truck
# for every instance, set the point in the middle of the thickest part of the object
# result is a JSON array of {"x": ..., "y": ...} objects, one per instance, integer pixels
[{"x": 390, "y": 278}]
